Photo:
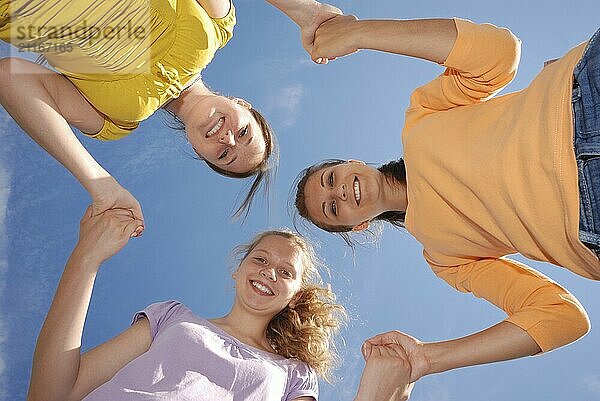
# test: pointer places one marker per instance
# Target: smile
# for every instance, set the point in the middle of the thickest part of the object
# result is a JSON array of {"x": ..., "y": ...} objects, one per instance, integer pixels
[
  {"x": 263, "y": 289},
  {"x": 356, "y": 186},
  {"x": 216, "y": 127}
]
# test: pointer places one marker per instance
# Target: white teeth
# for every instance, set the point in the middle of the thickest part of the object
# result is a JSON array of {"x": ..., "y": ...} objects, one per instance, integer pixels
[
  {"x": 216, "y": 128},
  {"x": 356, "y": 191},
  {"x": 261, "y": 287}
]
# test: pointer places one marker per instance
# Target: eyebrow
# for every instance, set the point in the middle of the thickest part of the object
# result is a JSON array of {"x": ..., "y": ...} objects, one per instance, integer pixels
[
  {"x": 323, "y": 207},
  {"x": 322, "y": 182}
]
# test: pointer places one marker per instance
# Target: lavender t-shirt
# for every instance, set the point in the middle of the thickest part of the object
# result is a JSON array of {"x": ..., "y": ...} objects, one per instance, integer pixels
[{"x": 192, "y": 359}]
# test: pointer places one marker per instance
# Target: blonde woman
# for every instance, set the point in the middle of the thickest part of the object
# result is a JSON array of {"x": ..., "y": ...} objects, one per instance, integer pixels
[{"x": 272, "y": 345}]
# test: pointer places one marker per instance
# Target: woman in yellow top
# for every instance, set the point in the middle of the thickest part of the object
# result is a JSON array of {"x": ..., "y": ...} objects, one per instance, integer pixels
[
  {"x": 118, "y": 62},
  {"x": 481, "y": 178}
]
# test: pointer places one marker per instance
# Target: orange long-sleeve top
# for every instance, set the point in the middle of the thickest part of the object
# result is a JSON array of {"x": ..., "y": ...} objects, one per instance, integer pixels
[{"x": 493, "y": 176}]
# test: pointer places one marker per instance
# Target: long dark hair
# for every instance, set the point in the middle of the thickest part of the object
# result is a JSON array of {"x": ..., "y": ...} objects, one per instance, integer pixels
[
  {"x": 263, "y": 173},
  {"x": 394, "y": 172}
]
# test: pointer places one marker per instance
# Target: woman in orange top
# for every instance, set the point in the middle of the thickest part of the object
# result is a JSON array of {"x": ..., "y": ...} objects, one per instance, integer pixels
[{"x": 482, "y": 177}]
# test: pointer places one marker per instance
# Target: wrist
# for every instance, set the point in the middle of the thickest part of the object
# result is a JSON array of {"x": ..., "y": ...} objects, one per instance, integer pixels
[
  {"x": 437, "y": 357},
  {"x": 84, "y": 260},
  {"x": 305, "y": 13},
  {"x": 96, "y": 180},
  {"x": 359, "y": 35}
]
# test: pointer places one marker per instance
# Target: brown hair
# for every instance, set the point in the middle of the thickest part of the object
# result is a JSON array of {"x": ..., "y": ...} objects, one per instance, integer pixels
[
  {"x": 394, "y": 172},
  {"x": 305, "y": 330},
  {"x": 263, "y": 173}
]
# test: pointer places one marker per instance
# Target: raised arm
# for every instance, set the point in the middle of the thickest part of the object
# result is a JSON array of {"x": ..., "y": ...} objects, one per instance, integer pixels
[
  {"x": 44, "y": 103},
  {"x": 428, "y": 39},
  {"x": 59, "y": 372}
]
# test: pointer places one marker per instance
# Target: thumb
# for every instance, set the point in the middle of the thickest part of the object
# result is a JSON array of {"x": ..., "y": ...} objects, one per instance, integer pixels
[
  {"x": 89, "y": 212},
  {"x": 96, "y": 209}
]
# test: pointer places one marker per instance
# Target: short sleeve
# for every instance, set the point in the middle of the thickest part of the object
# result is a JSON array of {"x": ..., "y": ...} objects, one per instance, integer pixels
[
  {"x": 161, "y": 315},
  {"x": 302, "y": 382},
  {"x": 111, "y": 131},
  {"x": 224, "y": 26}
]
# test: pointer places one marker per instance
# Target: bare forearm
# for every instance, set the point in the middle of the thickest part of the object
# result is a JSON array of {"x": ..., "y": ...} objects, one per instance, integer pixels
[
  {"x": 299, "y": 11},
  {"x": 501, "y": 342},
  {"x": 57, "y": 353},
  {"x": 428, "y": 39},
  {"x": 38, "y": 115}
]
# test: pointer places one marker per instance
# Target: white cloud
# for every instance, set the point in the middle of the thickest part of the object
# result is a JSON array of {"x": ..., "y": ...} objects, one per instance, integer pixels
[{"x": 285, "y": 103}]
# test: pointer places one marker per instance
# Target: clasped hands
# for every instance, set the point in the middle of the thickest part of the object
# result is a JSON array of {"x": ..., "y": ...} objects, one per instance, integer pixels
[
  {"x": 328, "y": 34},
  {"x": 394, "y": 361}
]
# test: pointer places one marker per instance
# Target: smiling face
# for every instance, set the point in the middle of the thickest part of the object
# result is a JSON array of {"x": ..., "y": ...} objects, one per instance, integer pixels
[
  {"x": 344, "y": 195},
  {"x": 270, "y": 275},
  {"x": 224, "y": 133}
]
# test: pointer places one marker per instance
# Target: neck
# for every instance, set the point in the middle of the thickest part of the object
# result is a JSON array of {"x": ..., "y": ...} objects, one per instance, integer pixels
[
  {"x": 183, "y": 105},
  {"x": 395, "y": 197},
  {"x": 248, "y": 328}
]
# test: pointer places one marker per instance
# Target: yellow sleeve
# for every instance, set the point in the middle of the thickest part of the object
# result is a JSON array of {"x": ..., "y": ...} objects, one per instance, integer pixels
[
  {"x": 224, "y": 26},
  {"x": 484, "y": 60},
  {"x": 112, "y": 131},
  {"x": 551, "y": 315}
]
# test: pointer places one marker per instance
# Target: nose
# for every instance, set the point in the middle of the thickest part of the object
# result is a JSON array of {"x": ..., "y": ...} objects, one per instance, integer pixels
[
  {"x": 227, "y": 138},
  {"x": 269, "y": 274},
  {"x": 340, "y": 192}
]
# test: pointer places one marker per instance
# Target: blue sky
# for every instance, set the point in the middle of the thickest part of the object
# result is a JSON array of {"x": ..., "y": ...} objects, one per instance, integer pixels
[{"x": 352, "y": 108}]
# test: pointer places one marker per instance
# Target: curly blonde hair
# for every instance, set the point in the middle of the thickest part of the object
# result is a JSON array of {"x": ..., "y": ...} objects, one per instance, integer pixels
[{"x": 306, "y": 328}]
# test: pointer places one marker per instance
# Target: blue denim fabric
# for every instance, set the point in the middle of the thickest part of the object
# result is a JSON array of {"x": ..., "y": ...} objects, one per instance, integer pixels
[{"x": 586, "y": 142}]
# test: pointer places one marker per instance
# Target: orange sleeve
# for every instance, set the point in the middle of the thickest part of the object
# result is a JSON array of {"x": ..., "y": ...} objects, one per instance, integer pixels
[
  {"x": 484, "y": 60},
  {"x": 551, "y": 315}
]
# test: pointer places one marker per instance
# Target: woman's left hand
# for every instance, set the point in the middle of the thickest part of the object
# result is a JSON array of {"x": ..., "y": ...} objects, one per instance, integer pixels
[
  {"x": 386, "y": 374},
  {"x": 420, "y": 365},
  {"x": 322, "y": 12}
]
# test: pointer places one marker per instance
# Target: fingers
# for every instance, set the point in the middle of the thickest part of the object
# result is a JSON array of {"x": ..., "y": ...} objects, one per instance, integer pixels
[
  {"x": 139, "y": 216},
  {"x": 366, "y": 350},
  {"x": 131, "y": 228},
  {"x": 383, "y": 338}
]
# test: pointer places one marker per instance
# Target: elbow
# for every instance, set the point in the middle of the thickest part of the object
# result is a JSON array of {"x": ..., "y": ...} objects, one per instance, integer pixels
[
  {"x": 573, "y": 322},
  {"x": 578, "y": 318},
  {"x": 580, "y": 324}
]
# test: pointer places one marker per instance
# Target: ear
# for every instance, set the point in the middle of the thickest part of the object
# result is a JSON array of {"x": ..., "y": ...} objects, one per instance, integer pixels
[
  {"x": 362, "y": 226},
  {"x": 357, "y": 162},
  {"x": 234, "y": 275},
  {"x": 242, "y": 102}
]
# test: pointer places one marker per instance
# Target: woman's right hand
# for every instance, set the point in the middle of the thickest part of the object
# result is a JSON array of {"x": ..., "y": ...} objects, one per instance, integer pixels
[
  {"x": 102, "y": 236},
  {"x": 386, "y": 376},
  {"x": 107, "y": 194},
  {"x": 336, "y": 37}
]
